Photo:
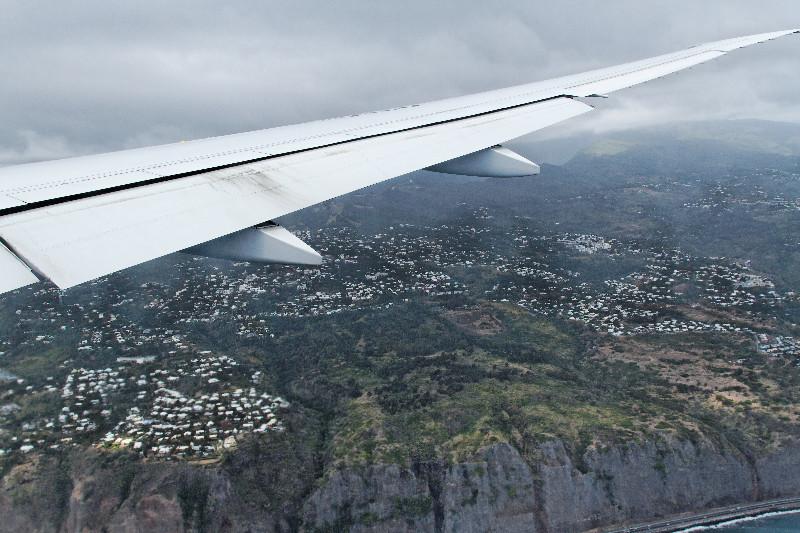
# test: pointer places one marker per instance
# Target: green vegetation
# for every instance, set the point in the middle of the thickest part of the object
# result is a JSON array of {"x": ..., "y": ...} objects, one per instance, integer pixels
[{"x": 452, "y": 404}]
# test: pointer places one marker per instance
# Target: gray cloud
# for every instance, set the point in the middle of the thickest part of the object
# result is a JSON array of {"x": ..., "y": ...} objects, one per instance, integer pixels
[{"x": 91, "y": 76}]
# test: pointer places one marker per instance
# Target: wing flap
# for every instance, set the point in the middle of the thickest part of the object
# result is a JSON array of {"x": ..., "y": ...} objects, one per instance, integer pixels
[{"x": 77, "y": 241}]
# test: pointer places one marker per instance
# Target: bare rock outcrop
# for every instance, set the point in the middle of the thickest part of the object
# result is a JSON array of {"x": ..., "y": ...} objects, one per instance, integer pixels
[
  {"x": 500, "y": 491},
  {"x": 553, "y": 489}
]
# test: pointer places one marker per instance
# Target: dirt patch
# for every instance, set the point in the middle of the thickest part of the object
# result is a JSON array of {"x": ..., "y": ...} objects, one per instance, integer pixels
[
  {"x": 686, "y": 367},
  {"x": 705, "y": 314},
  {"x": 475, "y": 321}
]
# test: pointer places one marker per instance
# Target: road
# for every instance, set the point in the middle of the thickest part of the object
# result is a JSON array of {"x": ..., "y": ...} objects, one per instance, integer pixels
[{"x": 715, "y": 516}]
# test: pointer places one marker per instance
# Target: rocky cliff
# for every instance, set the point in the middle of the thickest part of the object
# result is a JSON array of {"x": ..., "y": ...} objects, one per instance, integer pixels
[{"x": 498, "y": 490}]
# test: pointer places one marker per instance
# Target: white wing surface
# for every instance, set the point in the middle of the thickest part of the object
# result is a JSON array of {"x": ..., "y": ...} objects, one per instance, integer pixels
[{"x": 76, "y": 219}]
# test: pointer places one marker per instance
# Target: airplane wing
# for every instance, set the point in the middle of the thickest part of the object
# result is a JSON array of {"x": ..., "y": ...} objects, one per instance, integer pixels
[{"x": 76, "y": 219}]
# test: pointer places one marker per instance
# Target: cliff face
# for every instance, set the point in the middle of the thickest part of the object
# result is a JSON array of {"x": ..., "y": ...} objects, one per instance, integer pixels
[
  {"x": 497, "y": 491},
  {"x": 502, "y": 492},
  {"x": 259, "y": 488},
  {"x": 639, "y": 482}
]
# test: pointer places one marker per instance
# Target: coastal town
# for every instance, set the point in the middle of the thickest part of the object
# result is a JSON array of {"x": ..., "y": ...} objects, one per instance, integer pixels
[
  {"x": 741, "y": 194},
  {"x": 132, "y": 375},
  {"x": 155, "y": 418}
]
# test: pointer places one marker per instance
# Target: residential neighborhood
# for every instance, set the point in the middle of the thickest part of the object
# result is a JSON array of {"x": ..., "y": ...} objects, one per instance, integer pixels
[{"x": 133, "y": 372}]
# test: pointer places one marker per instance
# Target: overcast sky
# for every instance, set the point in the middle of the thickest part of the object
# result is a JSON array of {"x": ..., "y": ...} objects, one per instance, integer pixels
[{"x": 90, "y": 76}]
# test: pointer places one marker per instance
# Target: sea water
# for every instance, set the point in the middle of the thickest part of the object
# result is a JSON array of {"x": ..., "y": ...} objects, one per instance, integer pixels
[{"x": 781, "y": 522}]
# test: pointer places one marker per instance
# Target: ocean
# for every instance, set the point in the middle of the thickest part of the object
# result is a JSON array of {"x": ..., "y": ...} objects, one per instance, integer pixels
[{"x": 783, "y": 522}]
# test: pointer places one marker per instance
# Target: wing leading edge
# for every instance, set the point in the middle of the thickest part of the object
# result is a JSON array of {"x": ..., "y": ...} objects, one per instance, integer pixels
[{"x": 77, "y": 219}]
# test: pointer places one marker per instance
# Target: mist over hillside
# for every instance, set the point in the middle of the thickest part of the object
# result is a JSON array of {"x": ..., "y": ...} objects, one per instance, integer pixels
[
  {"x": 557, "y": 148},
  {"x": 631, "y": 184}
]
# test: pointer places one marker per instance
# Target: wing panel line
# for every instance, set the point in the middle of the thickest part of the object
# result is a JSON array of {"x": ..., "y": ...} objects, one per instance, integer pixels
[{"x": 161, "y": 179}]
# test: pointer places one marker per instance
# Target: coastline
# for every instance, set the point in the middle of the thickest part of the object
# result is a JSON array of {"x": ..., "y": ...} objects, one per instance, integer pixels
[
  {"x": 715, "y": 517},
  {"x": 735, "y": 521}
]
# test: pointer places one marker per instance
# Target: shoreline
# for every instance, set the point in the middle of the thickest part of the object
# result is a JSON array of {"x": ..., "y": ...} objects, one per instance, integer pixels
[
  {"x": 745, "y": 519},
  {"x": 722, "y": 515}
]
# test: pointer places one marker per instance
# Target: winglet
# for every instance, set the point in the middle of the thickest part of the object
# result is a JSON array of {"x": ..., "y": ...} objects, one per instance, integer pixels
[
  {"x": 624, "y": 76},
  {"x": 729, "y": 45}
]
